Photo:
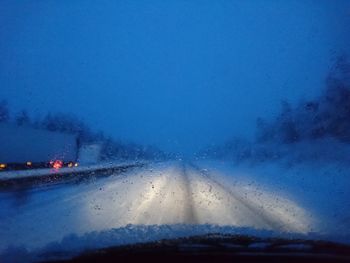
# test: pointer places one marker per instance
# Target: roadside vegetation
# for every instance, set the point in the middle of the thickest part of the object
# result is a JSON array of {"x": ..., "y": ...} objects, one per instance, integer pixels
[{"x": 315, "y": 129}]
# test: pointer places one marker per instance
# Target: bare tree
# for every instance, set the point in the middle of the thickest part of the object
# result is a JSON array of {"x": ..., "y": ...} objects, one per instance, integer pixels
[
  {"x": 4, "y": 111},
  {"x": 23, "y": 118}
]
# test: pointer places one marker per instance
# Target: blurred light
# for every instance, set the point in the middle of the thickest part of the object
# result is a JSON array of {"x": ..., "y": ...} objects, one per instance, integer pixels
[
  {"x": 76, "y": 164},
  {"x": 2, "y": 165},
  {"x": 29, "y": 163},
  {"x": 57, "y": 164},
  {"x": 70, "y": 164}
]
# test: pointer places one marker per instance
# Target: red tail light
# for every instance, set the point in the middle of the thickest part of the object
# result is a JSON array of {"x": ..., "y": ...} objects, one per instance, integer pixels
[{"x": 57, "y": 164}]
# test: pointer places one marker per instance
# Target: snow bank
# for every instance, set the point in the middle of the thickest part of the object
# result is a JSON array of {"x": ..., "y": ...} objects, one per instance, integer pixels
[{"x": 311, "y": 151}]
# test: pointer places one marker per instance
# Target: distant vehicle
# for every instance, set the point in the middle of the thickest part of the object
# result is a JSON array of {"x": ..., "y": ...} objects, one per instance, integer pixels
[
  {"x": 90, "y": 153},
  {"x": 23, "y": 147}
]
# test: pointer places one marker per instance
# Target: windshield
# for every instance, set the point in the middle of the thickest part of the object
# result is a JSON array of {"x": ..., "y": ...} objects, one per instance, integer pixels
[{"x": 125, "y": 122}]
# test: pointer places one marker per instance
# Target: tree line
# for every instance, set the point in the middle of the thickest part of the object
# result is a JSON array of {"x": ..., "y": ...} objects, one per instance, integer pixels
[
  {"x": 327, "y": 116},
  {"x": 69, "y": 123}
]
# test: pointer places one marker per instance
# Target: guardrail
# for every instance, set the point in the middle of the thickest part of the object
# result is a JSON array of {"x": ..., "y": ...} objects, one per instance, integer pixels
[{"x": 29, "y": 178}]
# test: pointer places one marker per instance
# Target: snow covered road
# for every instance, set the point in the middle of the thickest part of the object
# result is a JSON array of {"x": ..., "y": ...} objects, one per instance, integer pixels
[{"x": 162, "y": 193}]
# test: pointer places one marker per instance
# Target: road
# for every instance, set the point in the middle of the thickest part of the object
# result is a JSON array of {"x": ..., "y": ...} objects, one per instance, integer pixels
[{"x": 162, "y": 193}]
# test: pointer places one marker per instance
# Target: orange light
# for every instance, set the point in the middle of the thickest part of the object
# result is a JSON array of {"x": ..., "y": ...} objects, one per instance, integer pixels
[
  {"x": 2, "y": 166},
  {"x": 29, "y": 163},
  {"x": 57, "y": 164},
  {"x": 70, "y": 165}
]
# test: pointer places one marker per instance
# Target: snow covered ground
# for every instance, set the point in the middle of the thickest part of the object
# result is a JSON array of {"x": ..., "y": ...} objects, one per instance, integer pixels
[
  {"x": 315, "y": 195},
  {"x": 173, "y": 199}
]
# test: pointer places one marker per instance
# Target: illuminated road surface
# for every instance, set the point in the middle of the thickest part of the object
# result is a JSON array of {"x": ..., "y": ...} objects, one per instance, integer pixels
[{"x": 165, "y": 193}]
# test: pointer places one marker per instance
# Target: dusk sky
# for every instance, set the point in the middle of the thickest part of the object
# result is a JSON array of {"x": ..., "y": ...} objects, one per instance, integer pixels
[{"x": 177, "y": 74}]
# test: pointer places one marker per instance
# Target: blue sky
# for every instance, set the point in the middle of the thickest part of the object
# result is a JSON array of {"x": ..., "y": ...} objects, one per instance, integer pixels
[{"x": 178, "y": 74}]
